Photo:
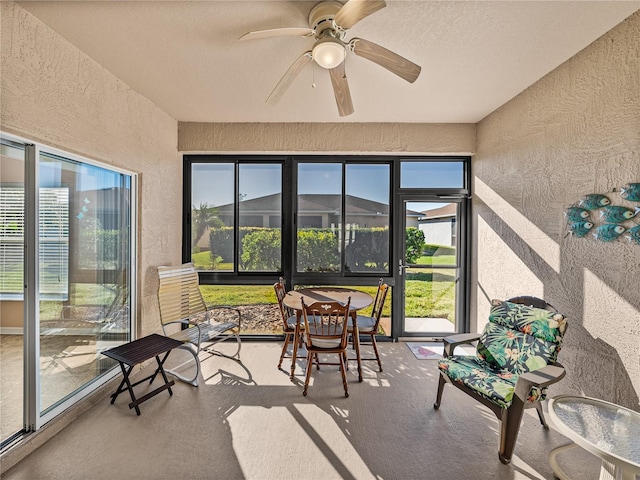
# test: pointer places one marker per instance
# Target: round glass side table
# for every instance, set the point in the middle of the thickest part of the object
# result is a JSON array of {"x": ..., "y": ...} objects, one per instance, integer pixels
[{"x": 609, "y": 431}]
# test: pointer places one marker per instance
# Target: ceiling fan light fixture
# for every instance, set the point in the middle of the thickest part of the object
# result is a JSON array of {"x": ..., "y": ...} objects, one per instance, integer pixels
[{"x": 329, "y": 53}]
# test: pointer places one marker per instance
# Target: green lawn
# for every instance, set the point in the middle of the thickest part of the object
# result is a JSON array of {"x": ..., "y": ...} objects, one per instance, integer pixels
[
  {"x": 202, "y": 261},
  {"x": 237, "y": 295},
  {"x": 430, "y": 293},
  {"x": 437, "y": 260}
]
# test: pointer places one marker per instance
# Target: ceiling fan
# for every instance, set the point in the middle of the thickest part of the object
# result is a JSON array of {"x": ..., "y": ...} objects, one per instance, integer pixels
[{"x": 329, "y": 21}]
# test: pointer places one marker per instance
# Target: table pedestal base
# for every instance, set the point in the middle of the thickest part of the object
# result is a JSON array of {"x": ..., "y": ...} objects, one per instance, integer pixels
[{"x": 608, "y": 471}]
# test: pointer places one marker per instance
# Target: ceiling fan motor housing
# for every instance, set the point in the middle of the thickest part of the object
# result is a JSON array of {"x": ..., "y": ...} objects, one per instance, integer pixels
[{"x": 321, "y": 18}]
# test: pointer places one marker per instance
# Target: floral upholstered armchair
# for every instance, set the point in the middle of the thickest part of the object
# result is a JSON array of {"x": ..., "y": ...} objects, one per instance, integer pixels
[{"x": 514, "y": 364}]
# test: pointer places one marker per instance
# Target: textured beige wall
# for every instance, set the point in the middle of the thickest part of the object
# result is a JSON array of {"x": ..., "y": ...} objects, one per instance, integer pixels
[
  {"x": 53, "y": 93},
  {"x": 327, "y": 137},
  {"x": 574, "y": 132}
]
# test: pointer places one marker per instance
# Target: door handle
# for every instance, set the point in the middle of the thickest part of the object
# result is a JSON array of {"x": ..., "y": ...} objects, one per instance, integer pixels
[{"x": 401, "y": 268}]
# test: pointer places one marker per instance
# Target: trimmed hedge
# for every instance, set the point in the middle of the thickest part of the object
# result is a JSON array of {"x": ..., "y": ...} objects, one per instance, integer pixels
[
  {"x": 368, "y": 250},
  {"x": 318, "y": 248},
  {"x": 261, "y": 250}
]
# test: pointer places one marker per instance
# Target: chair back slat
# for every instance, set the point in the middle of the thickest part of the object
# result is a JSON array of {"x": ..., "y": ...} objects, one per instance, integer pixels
[
  {"x": 179, "y": 295},
  {"x": 378, "y": 303},
  {"x": 281, "y": 292},
  {"x": 326, "y": 323}
]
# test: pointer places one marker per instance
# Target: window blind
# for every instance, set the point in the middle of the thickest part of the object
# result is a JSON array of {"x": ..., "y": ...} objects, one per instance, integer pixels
[{"x": 54, "y": 242}]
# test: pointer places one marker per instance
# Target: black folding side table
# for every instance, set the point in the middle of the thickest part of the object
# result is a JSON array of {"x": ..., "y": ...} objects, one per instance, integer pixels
[{"x": 138, "y": 351}]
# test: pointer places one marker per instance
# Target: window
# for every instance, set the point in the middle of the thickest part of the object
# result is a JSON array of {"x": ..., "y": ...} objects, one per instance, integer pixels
[
  {"x": 236, "y": 216},
  {"x": 367, "y": 218},
  {"x": 343, "y": 226},
  {"x": 430, "y": 174},
  {"x": 212, "y": 216},
  {"x": 333, "y": 216},
  {"x": 319, "y": 211}
]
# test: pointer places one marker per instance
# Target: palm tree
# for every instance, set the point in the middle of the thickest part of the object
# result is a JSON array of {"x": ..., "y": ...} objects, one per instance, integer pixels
[{"x": 202, "y": 219}]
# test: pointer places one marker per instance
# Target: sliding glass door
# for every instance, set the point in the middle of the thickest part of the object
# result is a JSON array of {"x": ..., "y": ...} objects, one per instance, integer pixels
[
  {"x": 12, "y": 166},
  {"x": 84, "y": 265},
  {"x": 68, "y": 294}
]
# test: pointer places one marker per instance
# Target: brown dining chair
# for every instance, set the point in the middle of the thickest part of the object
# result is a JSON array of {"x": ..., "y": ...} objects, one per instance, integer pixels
[
  {"x": 288, "y": 320},
  {"x": 325, "y": 332},
  {"x": 370, "y": 324}
]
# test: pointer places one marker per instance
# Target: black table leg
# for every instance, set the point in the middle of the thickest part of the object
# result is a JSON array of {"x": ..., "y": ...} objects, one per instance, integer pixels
[
  {"x": 164, "y": 375},
  {"x": 160, "y": 369},
  {"x": 125, "y": 373}
]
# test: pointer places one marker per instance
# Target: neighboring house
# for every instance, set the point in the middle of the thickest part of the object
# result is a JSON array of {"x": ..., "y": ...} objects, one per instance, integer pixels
[
  {"x": 439, "y": 225},
  {"x": 314, "y": 211}
]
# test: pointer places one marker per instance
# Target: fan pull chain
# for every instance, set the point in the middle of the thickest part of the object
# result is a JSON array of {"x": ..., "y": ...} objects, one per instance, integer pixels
[
  {"x": 313, "y": 73},
  {"x": 344, "y": 71}
]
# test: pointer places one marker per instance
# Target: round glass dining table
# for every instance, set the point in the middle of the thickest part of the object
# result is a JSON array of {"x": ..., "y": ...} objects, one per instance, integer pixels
[{"x": 359, "y": 300}]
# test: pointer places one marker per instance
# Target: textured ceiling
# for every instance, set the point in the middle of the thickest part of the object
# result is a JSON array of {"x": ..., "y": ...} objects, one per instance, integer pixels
[{"x": 185, "y": 57}]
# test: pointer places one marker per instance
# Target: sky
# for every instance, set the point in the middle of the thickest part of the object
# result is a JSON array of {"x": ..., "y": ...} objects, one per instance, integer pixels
[{"x": 214, "y": 183}]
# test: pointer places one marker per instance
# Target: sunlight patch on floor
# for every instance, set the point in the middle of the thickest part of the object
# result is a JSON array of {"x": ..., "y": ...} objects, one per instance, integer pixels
[
  {"x": 523, "y": 470},
  {"x": 310, "y": 437}
]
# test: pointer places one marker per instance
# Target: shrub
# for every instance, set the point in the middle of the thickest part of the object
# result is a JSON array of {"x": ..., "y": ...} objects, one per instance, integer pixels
[
  {"x": 368, "y": 250},
  {"x": 261, "y": 249},
  {"x": 318, "y": 250},
  {"x": 414, "y": 244},
  {"x": 221, "y": 243}
]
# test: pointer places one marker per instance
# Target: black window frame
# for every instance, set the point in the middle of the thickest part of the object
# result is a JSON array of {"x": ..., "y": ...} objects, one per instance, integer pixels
[{"x": 289, "y": 214}]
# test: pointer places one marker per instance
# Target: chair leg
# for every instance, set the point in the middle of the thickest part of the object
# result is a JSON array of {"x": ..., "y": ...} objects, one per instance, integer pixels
[
  {"x": 308, "y": 376},
  {"x": 441, "y": 382},
  {"x": 511, "y": 418},
  {"x": 344, "y": 375},
  {"x": 193, "y": 381},
  {"x": 541, "y": 415},
  {"x": 297, "y": 336},
  {"x": 284, "y": 348},
  {"x": 375, "y": 349}
]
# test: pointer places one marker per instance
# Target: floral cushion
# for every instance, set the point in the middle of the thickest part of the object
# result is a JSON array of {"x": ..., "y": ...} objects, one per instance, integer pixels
[
  {"x": 513, "y": 351},
  {"x": 517, "y": 339},
  {"x": 489, "y": 382},
  {"x": 540, "y": 323}
]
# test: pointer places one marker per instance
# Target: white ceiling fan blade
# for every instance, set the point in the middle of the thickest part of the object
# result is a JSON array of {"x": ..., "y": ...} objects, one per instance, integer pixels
[
  {"x": 278, "y": 32},
  {"x": 355, "y": 10},
  {"x": 386, "y": 58},
  {"x": 288, "y": 77},
  {"x": 341, "y": 90}
]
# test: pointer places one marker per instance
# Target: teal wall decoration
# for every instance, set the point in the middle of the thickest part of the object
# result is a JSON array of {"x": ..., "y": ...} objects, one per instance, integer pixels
[{"x": 610, "y": 217}]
